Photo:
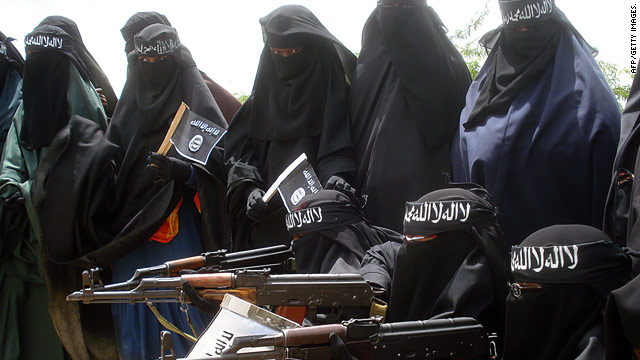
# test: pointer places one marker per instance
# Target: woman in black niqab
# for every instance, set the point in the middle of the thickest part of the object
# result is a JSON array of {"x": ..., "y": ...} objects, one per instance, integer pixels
[
  {"x": 458, "y": 268},
  {"x": 562, "y": 276},
  {"x": 298, "y": 104},
  {"x": 405, "y": 102},
  {"x": 96, "y": 74},
  {"x": 330, "y": 234}
]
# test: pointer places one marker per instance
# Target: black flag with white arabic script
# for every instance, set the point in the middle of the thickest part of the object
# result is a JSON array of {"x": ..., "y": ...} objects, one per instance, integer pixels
[{"x": 196, "y": 137}]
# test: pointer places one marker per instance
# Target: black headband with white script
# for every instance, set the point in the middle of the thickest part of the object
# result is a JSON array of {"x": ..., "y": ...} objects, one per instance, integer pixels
[
  {"x": 156, "y": 40},
  {"x": 321, "y": 217},
  {"x": 433, "y": 217},
  {"x": 580, "y": 263},
  {"x": 48, "y": 37},
  {"x": 525, "y": 13}
]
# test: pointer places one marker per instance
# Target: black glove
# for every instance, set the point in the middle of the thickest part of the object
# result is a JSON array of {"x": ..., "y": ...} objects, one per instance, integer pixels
[
  {"x": 198, "y": 302},
  {"x": 14, "y": 202},
  {"x": 256, "y": 207},
  {"x": 340, "y": 351},
  {"x": 337, "y": 183},
  {"x": 166, "y": 168}
]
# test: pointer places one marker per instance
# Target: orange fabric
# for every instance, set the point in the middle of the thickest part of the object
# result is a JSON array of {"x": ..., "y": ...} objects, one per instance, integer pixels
[
  {"x": 196, "y": 200},
  {"x": 169, "y": 228}
]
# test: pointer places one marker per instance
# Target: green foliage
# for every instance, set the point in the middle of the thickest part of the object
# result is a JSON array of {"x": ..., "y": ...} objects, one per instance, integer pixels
[
  {"x": 241, "y": 96},
  {"x": 472, "y": 52},
  {"x": 615, "y": 77}
]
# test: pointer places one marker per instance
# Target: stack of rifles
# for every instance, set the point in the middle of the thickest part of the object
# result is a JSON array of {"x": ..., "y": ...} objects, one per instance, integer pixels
[{"x": 344, "y": 304}]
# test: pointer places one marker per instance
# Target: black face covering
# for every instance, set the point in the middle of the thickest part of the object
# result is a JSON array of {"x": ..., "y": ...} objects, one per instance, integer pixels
[
  {"x": 157, "y": 93},
  {"x": 45, "y": 84},
  {"x": 576, "y": 266},
  {"x": 297, "y": 65},
  {"x": 87, "y": 64},
  {"x": 460, "y": 272},
  {"x": 293, "y": 95},
  {"x": 332, "y": 231},
  {"x": 520, "y": 57}
]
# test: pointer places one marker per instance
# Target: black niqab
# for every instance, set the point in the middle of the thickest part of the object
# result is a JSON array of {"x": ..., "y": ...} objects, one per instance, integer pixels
[
  {"x": 461, "y": 272},
  {"x": 306, "y": 113},
  {"x": 125, "y": 206},
  {"x": 564, "y": 318},
  {"x": 405, "y": 103},
  {"x": 333, "y": 234},
  {"x": 86, "y": 60},
  {"x": 286, "y": 107},
  {"x": 519, "y": 57},
  {"x": 45, "y": 84}
]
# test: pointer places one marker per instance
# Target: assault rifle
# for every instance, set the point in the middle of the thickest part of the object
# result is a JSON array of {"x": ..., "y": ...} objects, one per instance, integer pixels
[
  {"x": 455, "y": 338},
  {"x": 344, "y": 295},
  {"x": 279, "y": 258}
]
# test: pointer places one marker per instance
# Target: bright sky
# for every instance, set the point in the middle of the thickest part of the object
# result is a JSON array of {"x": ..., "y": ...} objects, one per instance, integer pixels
[{"x": 225, "y": 37}]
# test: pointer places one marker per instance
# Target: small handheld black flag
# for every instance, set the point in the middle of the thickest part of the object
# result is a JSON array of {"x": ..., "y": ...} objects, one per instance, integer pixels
[
  {"x": 296, "y": 181},
  {"x": 196, "y": 137}
]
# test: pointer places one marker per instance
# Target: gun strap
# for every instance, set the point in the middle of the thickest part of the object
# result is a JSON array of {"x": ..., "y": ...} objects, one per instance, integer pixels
[
  {"x": 378, "y": 308},
  {"x": 185, "y": 309},
  {"x": 169, "y": 326}
]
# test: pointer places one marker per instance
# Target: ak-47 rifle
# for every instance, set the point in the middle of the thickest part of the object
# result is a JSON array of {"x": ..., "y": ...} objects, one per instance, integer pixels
[
  {"x": 343, "y": 295},
  {"x": 455, "y": 338},
  {"x": 279, "y": 259}
]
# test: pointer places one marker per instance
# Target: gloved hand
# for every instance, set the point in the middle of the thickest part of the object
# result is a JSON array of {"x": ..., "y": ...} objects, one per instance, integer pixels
[
  {"x": 340, "y": 351},
  {"x": 338, "y": 183},
  {"x": 166, "y": 168},
  {"x": 200, "y": 303},
  {"x": 14, "y": 202},
  {"x": 256, "y": 207}
]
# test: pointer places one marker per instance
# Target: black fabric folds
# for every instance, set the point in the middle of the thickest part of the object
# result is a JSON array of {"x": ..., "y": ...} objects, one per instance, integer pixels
[
  {"x": 405, "y": 102},
  {"x": 564, "y": 321},
  {"x": 9, "y": 53},
  {"x": 622, "y": 316},
  {"x": 623, "y": 201},
  {"x": 295, "y": 96},
  {"x": 332, "y": 234},
  {"x": 88, "y": 62},
  {"x": 46, "y": 110},
  {"x": 521, "y": 56},
  {"x": 138, "y": 22},
  {"x": 460, "y": 272},
  {"x": 125, "y": 206},
  {"x": 323, "y": 210},
  {"x": 294, "y": 108}
]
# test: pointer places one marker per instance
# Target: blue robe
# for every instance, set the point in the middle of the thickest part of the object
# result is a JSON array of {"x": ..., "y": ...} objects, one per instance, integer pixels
[
  {"x": 137, "y": 329},
  {"x": 547, "y": 160}
]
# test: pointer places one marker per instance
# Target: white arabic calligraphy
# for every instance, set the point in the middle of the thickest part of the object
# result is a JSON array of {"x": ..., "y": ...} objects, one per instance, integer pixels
[
  {"x": 438, "y": 211},
  {"x": 161, "y": 47},
  {"x": 206, "y": 128},
  {"x": 302, "y": 217},
  {"x": 310, "y": 181},
  {"x": 529, "y": 11},
  {"x": 44, "y": 40},
  {"x": 552, "y": 257}
]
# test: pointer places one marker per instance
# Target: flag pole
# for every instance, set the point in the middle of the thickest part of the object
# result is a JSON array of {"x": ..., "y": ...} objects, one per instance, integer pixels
[{"x": 166, "y": 143}]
